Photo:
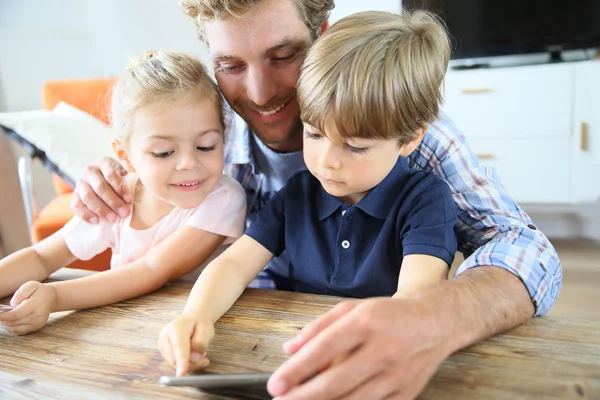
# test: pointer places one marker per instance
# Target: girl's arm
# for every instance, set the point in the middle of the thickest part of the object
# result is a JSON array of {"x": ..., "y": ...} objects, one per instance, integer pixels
[
  {"x": 178, "y": 254},
  {"x": 419, "y": 272},
  {"x": 225, "y": 279},
  {"x": 34, "y": 263}
]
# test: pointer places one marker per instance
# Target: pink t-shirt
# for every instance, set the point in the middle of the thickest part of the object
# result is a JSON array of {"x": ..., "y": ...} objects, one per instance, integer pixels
[{"x": 223, "y": 212}]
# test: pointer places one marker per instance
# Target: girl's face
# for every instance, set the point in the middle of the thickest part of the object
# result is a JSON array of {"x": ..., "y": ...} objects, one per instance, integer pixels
[{"x": 177, "y": 150}]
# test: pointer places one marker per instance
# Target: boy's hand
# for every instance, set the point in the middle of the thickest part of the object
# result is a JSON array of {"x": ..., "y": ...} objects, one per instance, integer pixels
[
  {"x": 32, "y": 305},
  {"x": 184, "y": 341}
]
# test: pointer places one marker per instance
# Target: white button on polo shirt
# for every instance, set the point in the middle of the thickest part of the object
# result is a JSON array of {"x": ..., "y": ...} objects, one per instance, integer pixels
[{"x": 345, "y": 244}]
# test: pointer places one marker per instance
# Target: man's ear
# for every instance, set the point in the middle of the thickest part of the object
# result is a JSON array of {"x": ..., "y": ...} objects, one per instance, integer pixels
[
  {"x": 323, "y": 28},
  {"x": 122, "y": 155},
  {"x": 407, "y": 149}
]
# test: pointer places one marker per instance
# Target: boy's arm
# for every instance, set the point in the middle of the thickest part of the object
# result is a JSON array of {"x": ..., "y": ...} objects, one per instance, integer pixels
[
  {"x": 175, "y": 256},
  {"x": 34, "y": 263},
  {"x": 419, "y": 272},
  {"x": 225, "y": 279}
]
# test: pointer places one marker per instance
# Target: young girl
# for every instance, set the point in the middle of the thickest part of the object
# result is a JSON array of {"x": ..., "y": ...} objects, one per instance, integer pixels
[
  {"x": 167, "y": 116},
  {"x": 359, "y": 222}
]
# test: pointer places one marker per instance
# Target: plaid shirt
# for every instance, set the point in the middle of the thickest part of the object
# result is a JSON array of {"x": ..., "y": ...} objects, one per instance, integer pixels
[{"x": 492, "y": 229}]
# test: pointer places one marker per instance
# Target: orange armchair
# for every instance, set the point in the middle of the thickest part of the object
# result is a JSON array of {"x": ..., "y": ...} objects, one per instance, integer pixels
[{"x": 92, "y": 97}]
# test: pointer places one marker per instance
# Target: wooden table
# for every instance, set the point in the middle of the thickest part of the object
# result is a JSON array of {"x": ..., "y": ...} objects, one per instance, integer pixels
[{"x": 110, "y": 353}]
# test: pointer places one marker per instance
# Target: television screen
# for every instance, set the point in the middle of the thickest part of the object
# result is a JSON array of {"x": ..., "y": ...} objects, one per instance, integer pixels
[{"x": 484, "y": 28}]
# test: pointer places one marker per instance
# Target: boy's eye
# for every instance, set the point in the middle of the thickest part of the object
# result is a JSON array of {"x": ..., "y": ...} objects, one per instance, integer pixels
[
  {"x": 357, "y": 150},
  {"x": 206, "y": 149},
  {"x": 311, "y": 135},
  {"x": 163, "y": 154}
]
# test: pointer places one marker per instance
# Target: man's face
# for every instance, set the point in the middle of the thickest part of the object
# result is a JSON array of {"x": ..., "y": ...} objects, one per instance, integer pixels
[{"x": 257, "y": 62}]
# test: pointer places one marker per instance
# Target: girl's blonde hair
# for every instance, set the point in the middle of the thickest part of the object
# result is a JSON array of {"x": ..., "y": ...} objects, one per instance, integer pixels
[
  {"x": 312, "y": 12},
  {"x": 379, "y": 73},
  {"x": 159, "y": 77}
]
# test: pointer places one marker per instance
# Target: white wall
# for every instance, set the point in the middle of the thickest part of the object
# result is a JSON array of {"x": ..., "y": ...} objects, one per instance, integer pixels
[
  {"x": 63, "y": 39},
  {"x": 346, "y": 7}
]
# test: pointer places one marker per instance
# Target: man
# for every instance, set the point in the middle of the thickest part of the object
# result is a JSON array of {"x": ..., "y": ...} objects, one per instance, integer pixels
[{"x": 376, "y": 348}]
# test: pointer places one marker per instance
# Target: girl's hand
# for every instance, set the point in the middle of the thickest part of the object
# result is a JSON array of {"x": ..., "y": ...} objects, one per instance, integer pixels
[
  {"x": 32, "y": 305},
  {"x": 184, "y": 341}
]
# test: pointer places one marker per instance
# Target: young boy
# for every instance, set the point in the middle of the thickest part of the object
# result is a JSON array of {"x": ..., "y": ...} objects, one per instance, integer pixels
[{"x": 359, "y": 222}]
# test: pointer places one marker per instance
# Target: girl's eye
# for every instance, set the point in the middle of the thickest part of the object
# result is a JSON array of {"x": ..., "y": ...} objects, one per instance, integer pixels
[
  {"x": 310, "y": 135},
  {"x": 357, "y": 150},
  {"x": 163, "y": 154},
  {"x": 207, "y": 149}
]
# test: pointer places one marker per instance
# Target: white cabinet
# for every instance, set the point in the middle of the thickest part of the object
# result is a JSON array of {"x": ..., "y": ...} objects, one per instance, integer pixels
[
  {"x": 532, "y": 101},
  {"x": 585, "y": 146},
  {"x": 538, "y": 126}
]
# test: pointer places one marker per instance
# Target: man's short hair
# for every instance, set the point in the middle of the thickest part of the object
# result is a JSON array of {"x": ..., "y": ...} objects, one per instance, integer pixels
[
  {"x": 379, "y": 73},
  {"x": 312, "y": 12}
]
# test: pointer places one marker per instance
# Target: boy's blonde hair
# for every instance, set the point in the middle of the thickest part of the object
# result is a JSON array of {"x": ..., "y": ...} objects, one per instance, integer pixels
[
  {"x": 312, "y": 12},
  {"x": 379, "y": 73},
  {"x": 159, "y": 77}
]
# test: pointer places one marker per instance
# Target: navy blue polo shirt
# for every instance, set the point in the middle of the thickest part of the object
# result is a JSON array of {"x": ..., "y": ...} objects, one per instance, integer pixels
[{"x": 339, "y": 249}]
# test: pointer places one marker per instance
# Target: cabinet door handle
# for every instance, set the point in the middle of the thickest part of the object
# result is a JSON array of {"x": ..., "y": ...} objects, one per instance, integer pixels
[
  {"x": 484, "y": 156},
  {"x": 476, "y": 90},
  {"x": 584, "y": 136}
]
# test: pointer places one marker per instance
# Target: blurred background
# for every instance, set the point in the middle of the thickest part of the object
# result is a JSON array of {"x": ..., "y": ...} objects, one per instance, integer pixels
[{"x": 524, "y": 89}]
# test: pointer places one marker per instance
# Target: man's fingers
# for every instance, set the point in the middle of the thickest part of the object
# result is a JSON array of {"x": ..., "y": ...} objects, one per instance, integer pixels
[
  {"x": 90, "y": 202},
  {"x": 82, "y": 211},
  {"x": 341, "y": 378},
  {"x": 314, "y": 328},
  {"x": 104, "y": 191},
  {"x": 114, "y": 174},
  {"x": 334, "y": 342}
]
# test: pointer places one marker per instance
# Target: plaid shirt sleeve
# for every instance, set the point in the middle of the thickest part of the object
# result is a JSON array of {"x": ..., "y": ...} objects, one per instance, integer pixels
[{"x": 492, "y": 229}]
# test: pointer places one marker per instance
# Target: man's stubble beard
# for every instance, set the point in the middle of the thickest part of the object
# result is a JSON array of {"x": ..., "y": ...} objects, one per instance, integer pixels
[{"x": 293, "y": 134}]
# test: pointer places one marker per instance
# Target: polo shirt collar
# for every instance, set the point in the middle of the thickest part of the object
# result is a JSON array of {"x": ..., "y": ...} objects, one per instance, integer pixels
[{"x": 377, "y": 203}]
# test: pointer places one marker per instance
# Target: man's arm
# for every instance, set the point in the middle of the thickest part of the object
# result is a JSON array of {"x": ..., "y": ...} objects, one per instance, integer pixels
[{"x": 493, "y": 230}]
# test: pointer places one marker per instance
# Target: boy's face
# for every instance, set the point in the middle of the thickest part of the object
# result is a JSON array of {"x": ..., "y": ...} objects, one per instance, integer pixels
[
  {"x": 347, "y": 168},
  {"x": 257, "y": 62}
]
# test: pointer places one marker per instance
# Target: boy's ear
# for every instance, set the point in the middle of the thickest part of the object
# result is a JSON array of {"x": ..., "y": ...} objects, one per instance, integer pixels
[
  {"x": 407, "y": 149},
  {"x": 323, "y": 28},
  {"x": 122, "y": 155}
]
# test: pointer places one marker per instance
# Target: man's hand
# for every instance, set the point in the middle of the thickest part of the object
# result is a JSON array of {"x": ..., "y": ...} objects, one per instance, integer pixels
[
  {"x": 99, "y": 193},
  {"x": 184, "y": 341},
  {"x": 32, "y": 305},
  {"x": 366, "y": 349},
  {"x": 389, "y": 348}
]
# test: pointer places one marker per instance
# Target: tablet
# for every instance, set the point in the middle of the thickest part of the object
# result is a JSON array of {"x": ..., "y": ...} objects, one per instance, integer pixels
[{"x": 216, "y": 380}]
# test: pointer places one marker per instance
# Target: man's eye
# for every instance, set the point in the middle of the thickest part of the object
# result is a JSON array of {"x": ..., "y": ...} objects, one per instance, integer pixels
[
  {"x": 228, "y": 68},
  {"x": 163, "y": 154},
  {"x": 206, "y": 149},
  {"x": 357, "y": 150},
  {"x": 310, "y": 135},
  {"x": 283, "y": 59}
]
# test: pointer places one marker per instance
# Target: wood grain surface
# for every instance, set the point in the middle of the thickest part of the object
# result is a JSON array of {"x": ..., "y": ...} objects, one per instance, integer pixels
[{"x": 110, "y": 353}]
